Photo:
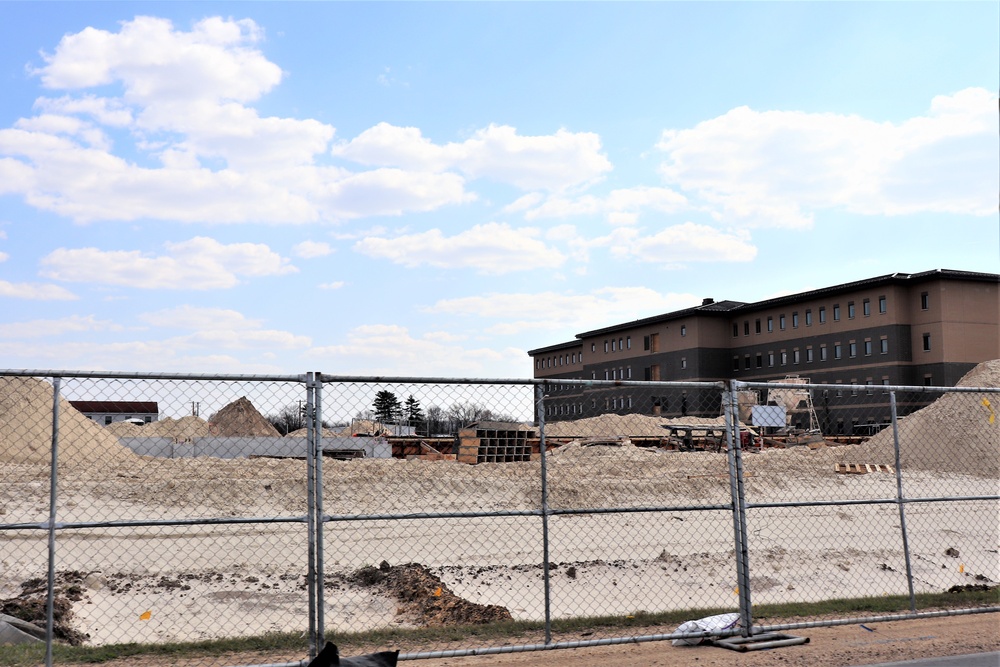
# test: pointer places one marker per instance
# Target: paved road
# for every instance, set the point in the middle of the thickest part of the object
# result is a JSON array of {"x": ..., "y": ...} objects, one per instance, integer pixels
[{"x": 973, "y": 660}]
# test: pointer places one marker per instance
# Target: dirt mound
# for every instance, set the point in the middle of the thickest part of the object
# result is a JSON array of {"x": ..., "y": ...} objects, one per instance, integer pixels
[
  {"x": 183, "y": 429},
  {"x": 124, "y": 429},
  {"x": 240, "y": 419},
  {"x": 26, "y": 428},
  {"x": 31, "y": 605},
  {"x": 952, "y": 434},
  {"x": 424, "y": 599},
  {"x": 304, "y": 432}
]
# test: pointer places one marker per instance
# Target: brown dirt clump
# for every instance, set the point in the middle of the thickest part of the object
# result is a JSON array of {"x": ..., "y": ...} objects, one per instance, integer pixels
[
  {"x": 26, "y": 428},
  {"x": 241, "y": 419},
  {"x": 31, "y": 605},
  {"x": 424, "y": 599}
]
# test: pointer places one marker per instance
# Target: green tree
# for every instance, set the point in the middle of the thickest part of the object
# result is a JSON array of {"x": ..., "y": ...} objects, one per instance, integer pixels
[
  {"x": 411, "y": 411},
  {"x": 387, "y": 406}
]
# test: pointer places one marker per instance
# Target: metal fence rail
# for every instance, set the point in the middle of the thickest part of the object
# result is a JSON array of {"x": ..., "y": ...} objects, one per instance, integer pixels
[{"x": 312, "y": 504}]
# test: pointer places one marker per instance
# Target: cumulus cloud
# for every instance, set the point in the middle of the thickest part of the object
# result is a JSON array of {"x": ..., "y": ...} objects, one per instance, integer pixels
[
  {"x": 775, "y": 168},
  {"x": 620, "y": 207},
  {"x": 312, "y": 249},
  {"x": 199, "y": 264},
  {"x": 388, "y": 349},
  {"x": 198, "y": 319},
  {"x": 493, "y": 248},
  {"x": 497, "y": 152},
  {"x": 74, "y": 324},
  {"x": 35, "y": 291},
  {"x": 681, "y": 244},
  {"x": 555, "y": 311}
]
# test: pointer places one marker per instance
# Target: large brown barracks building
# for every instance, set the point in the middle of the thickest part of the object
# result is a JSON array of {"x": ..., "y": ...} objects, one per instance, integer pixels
[{"x": 925, "y": 328}]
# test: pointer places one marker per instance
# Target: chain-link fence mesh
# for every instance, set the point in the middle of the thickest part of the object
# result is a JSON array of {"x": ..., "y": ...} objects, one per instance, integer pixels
[{"x": 185, "y": 508}]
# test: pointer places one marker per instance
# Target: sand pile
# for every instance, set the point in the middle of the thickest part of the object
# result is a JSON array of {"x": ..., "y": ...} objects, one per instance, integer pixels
[
  {"x": 304, "y": 432},
  {"x": 952, "y": 434},
  {"x": 240, "y": 419},
  {"x": 26, "y": 428},
  {"x": 124, "y": 429}
]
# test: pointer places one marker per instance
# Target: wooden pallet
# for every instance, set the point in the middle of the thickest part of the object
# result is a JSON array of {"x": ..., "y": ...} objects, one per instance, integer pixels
[{"x": 861, "y": 468}]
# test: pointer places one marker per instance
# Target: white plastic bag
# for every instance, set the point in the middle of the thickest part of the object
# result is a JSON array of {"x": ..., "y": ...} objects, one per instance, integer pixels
[{"x": 708, "y": 624}]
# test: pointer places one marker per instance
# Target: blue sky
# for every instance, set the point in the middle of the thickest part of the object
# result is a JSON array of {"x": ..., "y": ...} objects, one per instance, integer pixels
[{"x": 436, "y": 188}]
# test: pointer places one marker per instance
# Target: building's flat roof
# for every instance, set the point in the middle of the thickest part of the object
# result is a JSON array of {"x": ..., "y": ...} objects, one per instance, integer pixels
[
  {"x": 728, "y": 308},
  {"x": 117, "y": 407}
]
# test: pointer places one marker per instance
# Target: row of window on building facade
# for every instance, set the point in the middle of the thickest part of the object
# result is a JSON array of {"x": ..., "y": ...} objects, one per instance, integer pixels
[{"x": 650, "y": 342}]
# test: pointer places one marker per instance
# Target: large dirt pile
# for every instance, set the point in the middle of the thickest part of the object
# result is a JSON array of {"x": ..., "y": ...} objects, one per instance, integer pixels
[
  {"x": 952, "y": 434},
  {"x": 181, "y": 430},
  {"x": 240, "y": 419},
  {"x": 26, "y": 428}
]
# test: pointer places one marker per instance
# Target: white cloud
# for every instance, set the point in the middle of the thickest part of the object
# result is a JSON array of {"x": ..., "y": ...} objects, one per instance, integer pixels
[
  {"x": 549, "y": 162},
  {"x": 332, "y": 286},
  {"x": 73, "y": 324},
  {"x": 681, "y": 244},
  {"x": 4, "y": 257},
  {"x": 199, "y": 319},
  {"x": 200, "y": 263},
  {"x": 385, "y": 349},
  {"x": 184, "y": 99},
  {"x": 35, "y": 291},
  {"x": 774, "y": 168},
  {"x": 312, "y": 249},
  {"x": 493, "y": 248},
  {"x": 620, "y": 207},
  {"x": 554, "y": 311}
]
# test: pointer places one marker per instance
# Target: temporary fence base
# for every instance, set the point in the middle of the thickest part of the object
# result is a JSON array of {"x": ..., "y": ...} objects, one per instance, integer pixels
[{"x": 759, "y": 642}]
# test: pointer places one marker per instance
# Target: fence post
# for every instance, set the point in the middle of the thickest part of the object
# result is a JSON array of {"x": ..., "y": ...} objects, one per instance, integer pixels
[
  {"x": 316, "y": 420},
  {"x": 734, "y": 454},
  {"x": 50, "y": 594},
  {"x": 901, "y": 502},
  {"x": 314, "y": 582},
  {"x": 546, "y": 578}
]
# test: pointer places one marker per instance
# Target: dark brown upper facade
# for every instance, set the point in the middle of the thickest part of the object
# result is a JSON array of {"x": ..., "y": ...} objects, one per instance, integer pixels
[{"x": 925, "y": 328}]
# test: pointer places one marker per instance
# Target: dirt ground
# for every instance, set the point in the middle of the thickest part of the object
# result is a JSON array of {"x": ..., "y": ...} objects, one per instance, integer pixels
[{"x": 840, "y": 646}]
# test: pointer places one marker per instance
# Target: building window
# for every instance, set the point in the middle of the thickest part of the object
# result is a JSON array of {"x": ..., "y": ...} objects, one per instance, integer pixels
[
  {"x": 927, "y": 342},
  {"x": 836, "y": 312},
  {"x": 784, "y": 358},
  {"x": 606, "y": 374},
  {"x": 882, "y": 307},
  {"x": 756, "y": 326},
  {"x": 822, "y": 314},
  {"x": 593, "y": 375},
  {"x": 870, "y": 388},
  {"x": 760, "y": 360},
  {"x": 884, "y": 345},
  {"x": 746, "y": 362},
  {"x": 925, "y": 301},
  {"x": 628, "y": 342},
  {"x": 822, "y": 352},
  {"x": 107, "y": 420},
  {"x": 928, "y": 381},
  {"x": 866, "y": 307},
  {"x": 684, "y": 330},
  {"x": 852, "y": 349},
  {"x": 885, "y": 385},
  {"x": 868, "y": 347},
  {"x": 809, "y": 355},
  {"x": 795, "y": 356},
  {"x": 795, "y": 320},
  {"x": 770, "y": 359},
  {"x": 840, "y": 392},
  {"x": 850, "y": 310},
  {"x": 612, "y": 344},
  {"x": 809, "y": 318},
  {"x": 781, "y": 322},
  {"x": 593, "y": 347},
  {"x": 854, "y": 386},
  {"x": 605, "y": 347},
  {"x": 736, "y": 329},
  {"x": 736, "y": 363},
  {"x": 645, "y": 343},
  {"x": 770, "y": 324},
  {"x": 837, "y": 351},
  {"x": 746, "y": 328},
  {"x": 684, "y": 363}
]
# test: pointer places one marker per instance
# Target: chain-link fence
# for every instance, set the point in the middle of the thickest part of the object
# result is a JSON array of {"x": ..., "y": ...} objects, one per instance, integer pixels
[{"x": 293, "y": 508}]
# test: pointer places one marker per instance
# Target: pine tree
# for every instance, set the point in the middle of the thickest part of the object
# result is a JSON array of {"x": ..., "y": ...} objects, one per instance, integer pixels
[
  {"x": 411, "y": 409},
  {"x": 387, "y": 406}
]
